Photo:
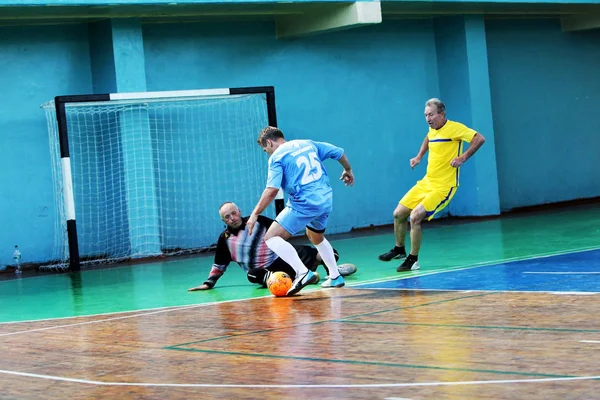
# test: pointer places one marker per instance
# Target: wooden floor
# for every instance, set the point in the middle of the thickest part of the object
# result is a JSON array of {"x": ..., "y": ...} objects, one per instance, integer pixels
[
  {"x": 331, "y": 344},
  {"x": 500, "y": 309}
]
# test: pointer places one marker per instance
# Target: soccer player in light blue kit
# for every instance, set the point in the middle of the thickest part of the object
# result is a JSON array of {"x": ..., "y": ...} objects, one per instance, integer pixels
[{"x": 297, "y": 167}]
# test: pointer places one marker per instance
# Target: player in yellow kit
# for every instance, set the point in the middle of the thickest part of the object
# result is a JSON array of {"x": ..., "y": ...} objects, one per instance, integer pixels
[{"x": 432, "y": 193}]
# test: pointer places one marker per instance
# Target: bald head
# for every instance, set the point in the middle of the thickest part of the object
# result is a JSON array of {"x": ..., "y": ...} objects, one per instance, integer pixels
[{"x": 230, "y": 214}]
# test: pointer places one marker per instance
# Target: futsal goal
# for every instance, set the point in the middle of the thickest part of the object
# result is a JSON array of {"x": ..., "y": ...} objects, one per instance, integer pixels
[{"x": 142, "y": 175}]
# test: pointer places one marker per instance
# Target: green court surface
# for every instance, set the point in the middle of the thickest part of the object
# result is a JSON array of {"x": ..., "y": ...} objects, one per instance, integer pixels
[{"x": 446, "y": 245}]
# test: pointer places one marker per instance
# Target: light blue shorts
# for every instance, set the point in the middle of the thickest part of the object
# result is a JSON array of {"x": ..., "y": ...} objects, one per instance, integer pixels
[{"x": 294, "y": 221}]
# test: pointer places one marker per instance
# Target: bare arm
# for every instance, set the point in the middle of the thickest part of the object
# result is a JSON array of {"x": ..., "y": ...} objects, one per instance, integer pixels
[
  {"x": 424, "y": 147},
  {"x": 345, "y": 163},
  {"x": 347, "y": 176},
  {"x": 267, "y": 197},
  {"x": 477, "y": 141}
]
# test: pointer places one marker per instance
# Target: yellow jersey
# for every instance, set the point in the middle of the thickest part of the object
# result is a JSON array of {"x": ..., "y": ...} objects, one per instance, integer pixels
[{"x": 445, "y": 144}]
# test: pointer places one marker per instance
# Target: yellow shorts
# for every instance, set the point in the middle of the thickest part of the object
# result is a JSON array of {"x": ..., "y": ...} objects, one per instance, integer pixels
[{"x": 433, "y": 199}]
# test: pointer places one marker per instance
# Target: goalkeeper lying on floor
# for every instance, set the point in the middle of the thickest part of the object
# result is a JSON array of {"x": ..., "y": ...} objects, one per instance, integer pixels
[{"x": 252, "y": 253}]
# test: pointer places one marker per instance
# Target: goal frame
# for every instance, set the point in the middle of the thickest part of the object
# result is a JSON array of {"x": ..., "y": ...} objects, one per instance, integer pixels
[{"x": 61, "y": 102}]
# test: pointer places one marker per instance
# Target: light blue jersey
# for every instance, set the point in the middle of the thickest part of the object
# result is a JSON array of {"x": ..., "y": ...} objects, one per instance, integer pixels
[{"x": 297, "y": 168}]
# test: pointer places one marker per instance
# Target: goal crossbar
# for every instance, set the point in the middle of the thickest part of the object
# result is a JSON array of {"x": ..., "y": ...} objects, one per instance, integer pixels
[{"x": 62, "y": 102}]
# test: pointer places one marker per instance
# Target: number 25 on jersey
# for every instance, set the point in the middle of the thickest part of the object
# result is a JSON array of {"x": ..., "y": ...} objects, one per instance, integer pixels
[{"x": 311, "y": 167}]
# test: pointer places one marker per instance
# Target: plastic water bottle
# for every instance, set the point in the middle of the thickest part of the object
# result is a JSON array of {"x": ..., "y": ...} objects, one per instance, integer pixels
[{"x": 17, "y": 259}]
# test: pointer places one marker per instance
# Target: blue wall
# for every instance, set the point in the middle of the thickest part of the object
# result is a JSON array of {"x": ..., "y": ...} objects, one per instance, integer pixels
[
  {"x": 102, "y": 57},
  {"x": 44, "y": 3},
  {"x": 363, "y": 89},
  {"x": 464, "y": 86},
  {"x": 545, "y": 99},
  {"x": 36, "y": 63}
]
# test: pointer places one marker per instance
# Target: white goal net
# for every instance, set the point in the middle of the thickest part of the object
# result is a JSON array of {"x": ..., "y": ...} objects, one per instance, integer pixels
[{"x": 149, "y": 175}]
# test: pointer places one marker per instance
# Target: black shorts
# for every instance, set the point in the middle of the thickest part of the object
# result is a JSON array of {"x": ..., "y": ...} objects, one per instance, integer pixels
[
  {"x": 308, "y": 255},
  {"x": 259, "y": 275}
]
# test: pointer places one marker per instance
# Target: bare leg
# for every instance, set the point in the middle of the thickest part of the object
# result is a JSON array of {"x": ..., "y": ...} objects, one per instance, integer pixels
[
  {"x": 400, "y": 224},
  {"x": 277, "y": 230},
  {"x": 416, "y": 233}
]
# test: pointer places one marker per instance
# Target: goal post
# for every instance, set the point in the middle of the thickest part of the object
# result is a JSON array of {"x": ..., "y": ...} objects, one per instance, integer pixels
[{"x": 145, "y": 172}]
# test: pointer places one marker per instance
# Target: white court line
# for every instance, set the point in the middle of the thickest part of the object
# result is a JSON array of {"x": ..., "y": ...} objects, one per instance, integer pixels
[
  {"x": 172, "y": 308},
  {"x": 99, "y": 315},
  {"x": 92, "y": 322},
  {"x": 216, "y": 385},
  {"x": 562, "y": 273},
  {"x": 477, "y": 265},
  {"x": 162, "y": 310},
  {"x": 589, "y": 341},
  {"x": 141, "y": 312},
  {"x": 483, "y": 291}
]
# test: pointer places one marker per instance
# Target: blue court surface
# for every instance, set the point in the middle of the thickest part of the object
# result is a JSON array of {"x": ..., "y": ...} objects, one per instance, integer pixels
[{"x": 572, "y": 272}]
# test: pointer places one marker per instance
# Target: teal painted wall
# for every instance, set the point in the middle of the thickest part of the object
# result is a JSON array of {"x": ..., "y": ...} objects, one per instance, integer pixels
[
  {"x": 44, "y": 3},
  {"x": 545, "y": 96},
  {"x": 363, "y": 89},
  {"x": 37, "y": 63},
  {"x": 464, "y": 87},
  {"x": 102, "y": 57}
]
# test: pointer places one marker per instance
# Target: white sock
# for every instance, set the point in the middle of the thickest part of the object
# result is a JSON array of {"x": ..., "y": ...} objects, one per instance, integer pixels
[
  {"x": 287, "y": 253},
  {"x": 326, "y": 252}
]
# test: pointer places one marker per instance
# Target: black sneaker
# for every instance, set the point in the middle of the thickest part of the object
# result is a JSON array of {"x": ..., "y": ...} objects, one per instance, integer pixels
[
  {"x": 408, "y": 265},
  {"x": 392, "y": 255},
  {"x": 308, "y": 278},
  {"x": 266, "y": 278}
]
